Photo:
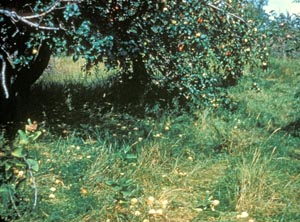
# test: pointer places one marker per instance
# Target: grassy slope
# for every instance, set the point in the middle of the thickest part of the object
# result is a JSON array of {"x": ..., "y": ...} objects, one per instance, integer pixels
[{"x": 247, "y": 159}]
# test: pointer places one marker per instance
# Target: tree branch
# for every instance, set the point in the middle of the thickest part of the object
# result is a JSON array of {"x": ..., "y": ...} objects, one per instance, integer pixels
[
  {"x": 25, "y": 19},
  {"x": 228, "y": 13},
  {"x": 3, "y": 77},
  {"x": 52, "y": 8},
  {"x": 15, "y": 17}
]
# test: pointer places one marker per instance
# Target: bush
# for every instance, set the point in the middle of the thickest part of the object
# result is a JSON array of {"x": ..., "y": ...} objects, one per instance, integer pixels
[{"x": 15, "y": 166}]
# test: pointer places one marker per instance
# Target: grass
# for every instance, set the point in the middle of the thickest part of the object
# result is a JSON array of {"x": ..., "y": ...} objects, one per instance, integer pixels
[{"x": 100, "y": 163}]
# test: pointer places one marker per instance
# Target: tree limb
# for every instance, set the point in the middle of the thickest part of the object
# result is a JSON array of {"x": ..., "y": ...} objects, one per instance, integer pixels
[
  {"x": 228, "y": 13},
  {"x": 15, "y": 17},
  {"x": 26, "y": 19},
  {"x": 52, "y": 8},
  {"x": 3, "y": 77}
]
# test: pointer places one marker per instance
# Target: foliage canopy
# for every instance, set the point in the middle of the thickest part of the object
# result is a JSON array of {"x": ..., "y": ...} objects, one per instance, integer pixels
[{"x": 190, "y": 47}]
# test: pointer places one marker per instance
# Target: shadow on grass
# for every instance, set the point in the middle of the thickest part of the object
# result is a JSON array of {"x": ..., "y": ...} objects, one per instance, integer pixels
[
  {"x": 293, "y": 128},
  {"x": 76, "y": 107}
]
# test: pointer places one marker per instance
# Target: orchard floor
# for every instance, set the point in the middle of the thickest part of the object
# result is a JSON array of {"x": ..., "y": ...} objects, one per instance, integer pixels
[{"x": 98, "y": 163}]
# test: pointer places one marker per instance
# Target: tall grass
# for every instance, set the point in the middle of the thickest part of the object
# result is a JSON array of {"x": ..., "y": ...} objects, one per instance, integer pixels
[
  {"x": 98, "y": 163},
  {"x": 63, "y": 71}
]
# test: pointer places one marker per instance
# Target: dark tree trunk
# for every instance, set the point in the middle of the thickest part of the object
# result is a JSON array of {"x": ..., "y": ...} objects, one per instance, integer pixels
[
  {"x": 140, "y": 75},
  {"x": 17, "y": 79},
  {"x": 28, "y": 75}
]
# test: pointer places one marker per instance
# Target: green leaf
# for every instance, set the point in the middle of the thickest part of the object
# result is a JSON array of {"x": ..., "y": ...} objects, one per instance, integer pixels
[
  {"x": 75, "y": 57},
  {"x": 127, "y": 193},
  {"x": 131, "y": 156},
  {"x": 24, "y": 140},
  {"x": 7, "y": 166},
  {"x": 19, "y": 152},
  {"x": 4, "y": 194},
  {"x": 127, "y": 149},
  {"x": 155, "y": 29},
  {"x": 35, "y": 135},
  {"x": 4, "y": 189},
  {"x": 33, "y": 164}
]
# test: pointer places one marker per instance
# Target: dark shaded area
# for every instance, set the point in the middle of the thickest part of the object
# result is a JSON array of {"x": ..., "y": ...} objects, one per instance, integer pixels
[
  {"x": 64, "y": 108},
  {"x": 293, "y": 128},
  {"x": 17, "y": 77}
]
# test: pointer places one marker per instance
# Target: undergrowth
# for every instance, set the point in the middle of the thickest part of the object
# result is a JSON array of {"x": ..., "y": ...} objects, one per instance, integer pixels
[{"x": 98, "y": 162}]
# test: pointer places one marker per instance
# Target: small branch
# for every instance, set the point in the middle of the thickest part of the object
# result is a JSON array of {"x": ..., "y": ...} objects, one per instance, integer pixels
[
  {"x": 14, "y": 204},
  {"x": 25, "y": 19},
  {"x": 3, "y": 78},
  {"x": 38, "y": 51},
  {"x": 13, "y": 15},
  {"x": 9, "y": 57},
  {"x": 16, "y": 32},
  {"x": 35, "y": 189},
  {"x": 52, "y": 8},
  {"x": 44, "y": 13},
  {"x": 33, "y": 182},
  {"x": 228, "y": 13}
]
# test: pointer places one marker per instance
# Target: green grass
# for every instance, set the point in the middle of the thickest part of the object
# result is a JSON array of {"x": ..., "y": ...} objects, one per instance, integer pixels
[{"x": 100, "y": 163}]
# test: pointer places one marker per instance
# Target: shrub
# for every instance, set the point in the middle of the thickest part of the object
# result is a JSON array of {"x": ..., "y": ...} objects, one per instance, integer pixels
[{"x": 15, "y": 166}]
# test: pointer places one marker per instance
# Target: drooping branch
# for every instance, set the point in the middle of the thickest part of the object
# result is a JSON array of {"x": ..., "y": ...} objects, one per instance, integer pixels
[
  {"x": 26, "y": 19},
  {"x": 15, "y": 17},
  {"x": 9, "y": 56},
  {"x": 52, "y": 8},
  {"x": 228, "y": 13},
  {"x": 3, "y": 77}
]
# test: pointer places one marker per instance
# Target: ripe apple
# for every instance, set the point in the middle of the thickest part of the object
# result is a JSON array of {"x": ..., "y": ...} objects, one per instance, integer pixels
[
  {"x": 200, "y": 20},
  {"x": 180, "y": 47},
  {"x": 228, "y": 53}
]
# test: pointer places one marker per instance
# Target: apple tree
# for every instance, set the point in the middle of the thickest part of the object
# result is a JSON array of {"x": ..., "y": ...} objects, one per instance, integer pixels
[
  {"x": 283, "y": 33},
  {"x": 191, "y": 48}
]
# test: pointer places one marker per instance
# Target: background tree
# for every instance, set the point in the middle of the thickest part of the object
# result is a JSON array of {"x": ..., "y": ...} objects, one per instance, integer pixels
[{"x": 282, "y": 33}]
